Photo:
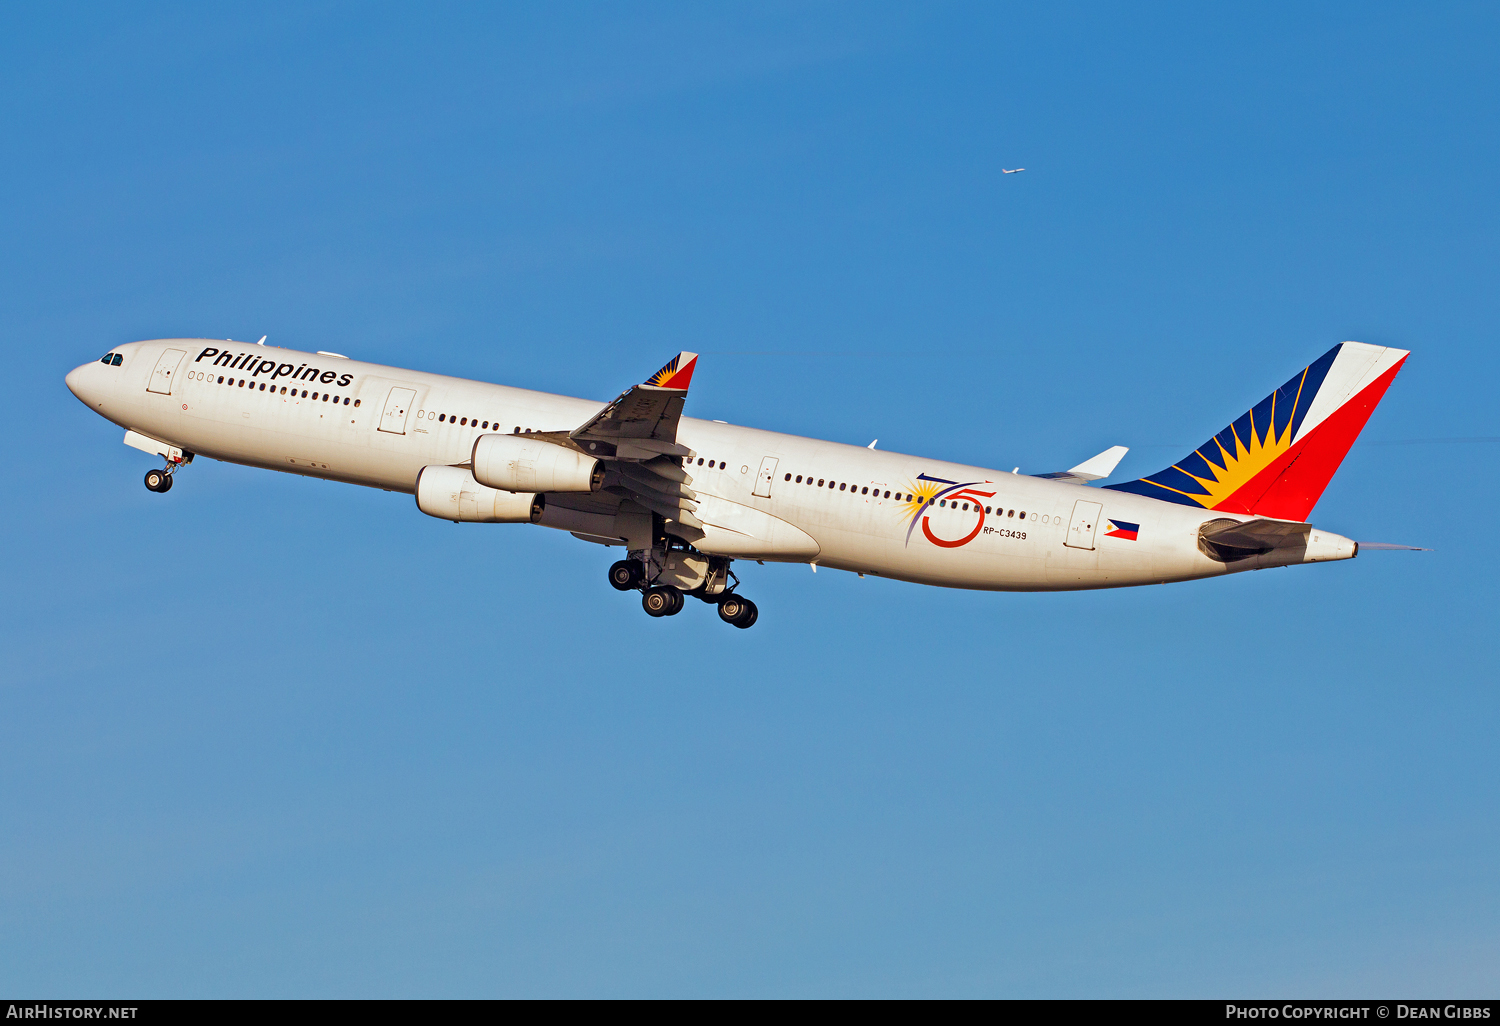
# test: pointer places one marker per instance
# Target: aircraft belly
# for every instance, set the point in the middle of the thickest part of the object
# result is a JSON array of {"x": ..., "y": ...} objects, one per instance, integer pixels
[
  {"x": 736, "y": 529},
  {"x": 222, "y": 428}
]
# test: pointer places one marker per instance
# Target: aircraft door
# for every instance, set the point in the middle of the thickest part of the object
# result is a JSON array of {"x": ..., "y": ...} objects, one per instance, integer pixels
[
  {"x": 166, "y": 369},
  {"x": 767, "y": 475},
  {"x": 1085, "y": 520},
  {"x": 397, "y": 409}
]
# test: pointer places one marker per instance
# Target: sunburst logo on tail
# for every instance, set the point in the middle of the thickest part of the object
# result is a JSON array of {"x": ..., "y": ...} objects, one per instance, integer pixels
[{"x": 1276, "y": 460}]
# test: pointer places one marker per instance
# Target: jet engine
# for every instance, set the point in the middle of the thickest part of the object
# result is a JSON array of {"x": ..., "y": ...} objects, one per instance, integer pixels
[
  {"x": 525, "y": 463},
  {"x": 451, "y": 493}
]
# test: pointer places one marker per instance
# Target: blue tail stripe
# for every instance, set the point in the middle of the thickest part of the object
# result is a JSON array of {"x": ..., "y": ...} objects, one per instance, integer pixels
[{"x": 1283, "y": 408}]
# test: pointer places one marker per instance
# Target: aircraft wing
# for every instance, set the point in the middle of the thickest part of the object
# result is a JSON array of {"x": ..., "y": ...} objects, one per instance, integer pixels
[
  {"x": 636, "y": 438},
  {"x": 642, "y": 422},
  {"x": 1096, "y": 468}
]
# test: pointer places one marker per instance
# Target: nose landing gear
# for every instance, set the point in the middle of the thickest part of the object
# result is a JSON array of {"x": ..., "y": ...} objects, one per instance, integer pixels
[{"x": 161, "y": 480}]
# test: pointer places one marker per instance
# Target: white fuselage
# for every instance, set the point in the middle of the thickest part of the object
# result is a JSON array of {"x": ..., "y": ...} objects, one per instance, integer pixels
[{"x": 1022, "y": 544}]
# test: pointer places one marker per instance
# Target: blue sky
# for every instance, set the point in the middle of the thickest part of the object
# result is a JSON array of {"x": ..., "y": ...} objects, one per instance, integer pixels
[{"x": 266, "y": 736}]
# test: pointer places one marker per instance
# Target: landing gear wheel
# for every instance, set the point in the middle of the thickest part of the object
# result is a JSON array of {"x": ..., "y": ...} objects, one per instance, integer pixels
[
  {"x": 167, "y": 485},
  {"x": 662, "y": 601},
  {"x": 158, "y": 480},
  {"x": 738, "y": 611},
  {"x": 626, "y": 575}
]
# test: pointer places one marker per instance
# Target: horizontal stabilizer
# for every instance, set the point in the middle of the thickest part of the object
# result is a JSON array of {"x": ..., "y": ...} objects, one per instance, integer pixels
[
  {"x": 1228, "y": 540},
  {"x": 1096, "y": 468}
]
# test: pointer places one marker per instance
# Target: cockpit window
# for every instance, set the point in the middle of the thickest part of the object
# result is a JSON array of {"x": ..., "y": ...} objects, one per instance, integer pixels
[{"x": 119, "y": 359}]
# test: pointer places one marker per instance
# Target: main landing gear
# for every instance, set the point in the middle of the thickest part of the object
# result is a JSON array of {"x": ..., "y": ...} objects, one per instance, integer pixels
[
  {"x": 740, "y": 612},
  {"x": 664, "y": 601},
  {"x": 659, "y": 598}
]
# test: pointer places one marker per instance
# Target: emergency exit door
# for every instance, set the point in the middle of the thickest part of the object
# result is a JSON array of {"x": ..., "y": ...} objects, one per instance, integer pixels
[
  {"x": 766, "y": 476},
  {"x": 166, "y": 369},
  {"x": 397, "y": 409},
  {"x": 1085, "y": 521}
]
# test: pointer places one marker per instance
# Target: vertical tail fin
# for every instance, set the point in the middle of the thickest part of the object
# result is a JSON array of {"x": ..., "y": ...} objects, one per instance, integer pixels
[{"x": 1276, "y": 460}]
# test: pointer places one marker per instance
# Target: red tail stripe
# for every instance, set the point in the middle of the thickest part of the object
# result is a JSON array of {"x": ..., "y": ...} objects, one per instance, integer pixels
[{"x": 1291, "y": 486}]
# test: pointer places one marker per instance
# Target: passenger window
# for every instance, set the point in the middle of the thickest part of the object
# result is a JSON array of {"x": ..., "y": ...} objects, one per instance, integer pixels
[
  {"x": 986, "y": 511},
  {"x": 700, "y": 461},
  {"x": 966, "y": 507},
  {"x": 485, "y": 425},
  {"x": 789, "y": 477},
  {"x": 221, "y": 380},
  {"x": 262, "y": 386},
  {"x": 1023, "y": 514},
  {"x": 820, "y": 482},
  {"x": 304, "y": 393},
  {"x": 442, "y": 416},
  {"x": 464, "y": 422},
  {"x": 283, "y": 391},
  {"x": 887, "y": 495},
  {"x": 356, "y": 402},
  {"x": 841, "y": 487}
]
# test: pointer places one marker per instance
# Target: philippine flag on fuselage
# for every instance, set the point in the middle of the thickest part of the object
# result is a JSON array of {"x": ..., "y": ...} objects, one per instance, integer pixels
[{"x": 1121, "y": 529}]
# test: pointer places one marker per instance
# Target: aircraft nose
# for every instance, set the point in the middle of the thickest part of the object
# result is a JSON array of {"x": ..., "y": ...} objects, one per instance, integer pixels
[{"x": 77, "y": 380}]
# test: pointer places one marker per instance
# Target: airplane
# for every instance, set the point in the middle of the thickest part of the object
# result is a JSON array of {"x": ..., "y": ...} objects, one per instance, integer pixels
[
  {"x": 1012, "y": 171},
  {"x": 685, "y": 499}
]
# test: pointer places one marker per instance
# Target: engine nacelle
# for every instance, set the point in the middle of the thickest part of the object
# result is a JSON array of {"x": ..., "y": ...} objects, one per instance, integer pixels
[
  {"x": 451, "y": 493},
  {"x": 524, "y": 463}
]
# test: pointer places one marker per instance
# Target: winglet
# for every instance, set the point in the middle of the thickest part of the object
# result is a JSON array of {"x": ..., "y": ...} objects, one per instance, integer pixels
[{"x": 678, "y": 373}]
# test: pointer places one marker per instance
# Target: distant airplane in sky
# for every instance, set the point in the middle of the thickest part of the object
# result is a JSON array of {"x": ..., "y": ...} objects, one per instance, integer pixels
[
  {"x": 685, "y": 498},
  {"x": 1012, "y": 171}
]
